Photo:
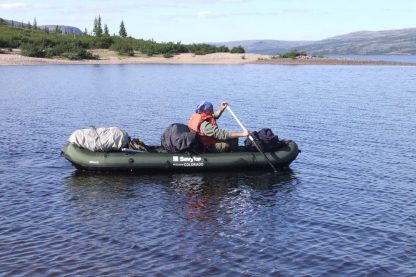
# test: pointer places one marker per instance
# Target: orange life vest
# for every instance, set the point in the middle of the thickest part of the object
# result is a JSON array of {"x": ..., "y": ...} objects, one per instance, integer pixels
[{"x": 195, "y": 123}]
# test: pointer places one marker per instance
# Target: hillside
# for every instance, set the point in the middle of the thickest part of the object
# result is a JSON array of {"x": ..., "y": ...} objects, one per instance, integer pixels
[
  {"x": 269, "y": 47},
  {"x": 64, "y": 29},
  {"x": 392, "y": 42}
]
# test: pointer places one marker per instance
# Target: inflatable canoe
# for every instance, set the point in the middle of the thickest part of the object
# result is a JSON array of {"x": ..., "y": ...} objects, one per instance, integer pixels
[{"x": 159, "y": 160}]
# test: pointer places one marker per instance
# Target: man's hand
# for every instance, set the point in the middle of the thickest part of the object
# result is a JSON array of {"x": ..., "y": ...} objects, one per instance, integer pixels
[
  {"x": 223, "y": 105},
  {"x": 245, "y": 133},
  {"x": 222, "y": 108}
]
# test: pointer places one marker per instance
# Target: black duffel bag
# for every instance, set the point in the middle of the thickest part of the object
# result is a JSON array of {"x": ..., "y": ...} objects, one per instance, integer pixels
[{"x": 265, "y": 139}]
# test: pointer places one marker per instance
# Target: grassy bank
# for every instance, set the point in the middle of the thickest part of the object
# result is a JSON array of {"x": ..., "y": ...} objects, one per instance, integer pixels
[{"x": 43, "y": 43}]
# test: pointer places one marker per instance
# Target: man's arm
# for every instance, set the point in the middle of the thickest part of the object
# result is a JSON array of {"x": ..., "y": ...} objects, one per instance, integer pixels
[
  {"x": 214, "y": 131},
  {"x": 219, "y": 112}
]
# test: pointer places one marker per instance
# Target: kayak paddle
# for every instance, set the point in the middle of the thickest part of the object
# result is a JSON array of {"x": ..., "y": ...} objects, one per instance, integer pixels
[{"x": 251, "y": 138}]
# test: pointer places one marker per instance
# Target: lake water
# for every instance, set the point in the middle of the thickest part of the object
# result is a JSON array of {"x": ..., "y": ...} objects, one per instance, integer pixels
[
  {"x": 346, "y": 206},
  {"x": 390, "y": 58}
]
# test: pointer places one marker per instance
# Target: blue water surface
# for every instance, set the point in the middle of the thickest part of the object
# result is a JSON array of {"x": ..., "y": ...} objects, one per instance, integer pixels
[
  {"x": 346, "y": 206},
  {"x": 389, "y": 58}
]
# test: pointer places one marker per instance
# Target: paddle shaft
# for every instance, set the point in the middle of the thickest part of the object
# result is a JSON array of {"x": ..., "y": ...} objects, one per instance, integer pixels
[{"x": 251, "y": 138}]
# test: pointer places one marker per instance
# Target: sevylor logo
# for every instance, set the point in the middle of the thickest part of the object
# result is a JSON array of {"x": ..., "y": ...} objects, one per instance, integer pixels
[{"x": 187, "y": 161}]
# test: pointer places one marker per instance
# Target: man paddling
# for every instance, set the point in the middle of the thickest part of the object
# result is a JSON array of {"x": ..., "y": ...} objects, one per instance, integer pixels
[{"x": 213, "y": 138}]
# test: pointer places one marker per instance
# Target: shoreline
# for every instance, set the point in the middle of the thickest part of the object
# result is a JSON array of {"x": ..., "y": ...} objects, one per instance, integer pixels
[{"x": 111, "y": 57}]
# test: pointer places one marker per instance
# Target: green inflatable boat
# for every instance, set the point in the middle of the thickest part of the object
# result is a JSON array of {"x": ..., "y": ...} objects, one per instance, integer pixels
[{"x": 159, "y": 160}]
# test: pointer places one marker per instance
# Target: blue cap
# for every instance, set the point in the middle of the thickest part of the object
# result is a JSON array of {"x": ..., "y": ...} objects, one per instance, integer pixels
[{"x": 204, "y": 106}]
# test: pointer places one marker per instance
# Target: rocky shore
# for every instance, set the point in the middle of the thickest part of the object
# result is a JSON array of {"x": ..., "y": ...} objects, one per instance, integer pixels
[{"x": 110, "y": 57}]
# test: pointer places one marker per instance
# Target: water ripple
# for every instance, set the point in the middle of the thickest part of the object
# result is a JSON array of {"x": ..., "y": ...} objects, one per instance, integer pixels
[{"x": 345, "y": 208}]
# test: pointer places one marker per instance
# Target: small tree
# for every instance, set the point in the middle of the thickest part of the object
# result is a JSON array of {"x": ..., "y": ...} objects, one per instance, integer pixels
[
  {"x": 122, "y": 32},
  {"x": 237, "y": 49},
  {"x": 29, "y": 26},
  {"x": 35, "y": 24},
  {"x": 94, "y": 29},
  {"x": 99, "y": 28},
  {"x": 86, "y": 32},
  {"x": 106, "y": 32}
]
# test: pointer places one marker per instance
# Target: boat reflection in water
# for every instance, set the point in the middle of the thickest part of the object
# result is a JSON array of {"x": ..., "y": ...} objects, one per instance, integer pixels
[
  {"x": 193, "y": 218},
  {"x": 202, "y": 196}
]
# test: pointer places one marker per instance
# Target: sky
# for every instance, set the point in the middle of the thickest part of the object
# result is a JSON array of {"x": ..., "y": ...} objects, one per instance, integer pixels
[{"x": 190, "y": 21}]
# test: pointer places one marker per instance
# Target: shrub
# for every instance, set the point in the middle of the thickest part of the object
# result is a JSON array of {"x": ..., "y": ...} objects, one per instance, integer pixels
[
  {"x": 293, "y": 54},
  {"x": 223, "y": 49},
  {"x": 104, "y": 42},
  {"x": 73, "y": 50},
  {"x": 3, "y": 43},
  {"x": 33, "y": 50},
  {"x": 80, "y": 54},
  {"x": 203, "y": 49},
  {"x": 123, "y": 48},
  {"x": 168, "y": 55},
  {"x": 238, "y": 49}
]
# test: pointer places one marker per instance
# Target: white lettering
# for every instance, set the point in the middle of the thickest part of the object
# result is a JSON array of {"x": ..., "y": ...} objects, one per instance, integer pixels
[{"x": 187, "y": 161}]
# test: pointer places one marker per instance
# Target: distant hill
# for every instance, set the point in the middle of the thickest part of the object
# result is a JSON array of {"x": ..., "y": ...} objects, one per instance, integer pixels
[
  {"x": 392, "y": 42},
  {"x": 270, "y": 47},
  {"x": 63, "y": 28}
]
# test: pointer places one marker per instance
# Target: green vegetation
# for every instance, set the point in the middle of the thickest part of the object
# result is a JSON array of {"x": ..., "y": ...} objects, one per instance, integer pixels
[
  {"x": 293, "y": 54},
  {"x": 168, "y": 55},
  {"x": 106, "y": 32},
  {"x": 203, "y": 48},
  {"x": 238, "y": 49},
  {"x": 45, "y": 43},
  {"x": 97, "y": 30},
  {"x": 123, "y": 47},
  {"x": 122, "y": 32},
  {"x": 71, "y": 50},
  {"x": 41, "y": 43}
]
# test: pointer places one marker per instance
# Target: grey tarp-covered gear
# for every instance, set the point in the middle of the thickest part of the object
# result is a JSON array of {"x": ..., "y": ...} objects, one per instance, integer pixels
[
  {"x": 100, "y": 139},
  {"x": 179, "y": 138}
]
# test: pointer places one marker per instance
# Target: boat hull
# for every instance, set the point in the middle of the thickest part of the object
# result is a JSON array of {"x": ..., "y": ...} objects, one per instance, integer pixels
[{"x": 146, "y": 161}]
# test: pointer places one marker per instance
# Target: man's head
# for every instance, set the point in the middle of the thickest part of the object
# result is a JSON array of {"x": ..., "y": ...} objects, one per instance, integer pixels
[{"x": 205, "y": 107}]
